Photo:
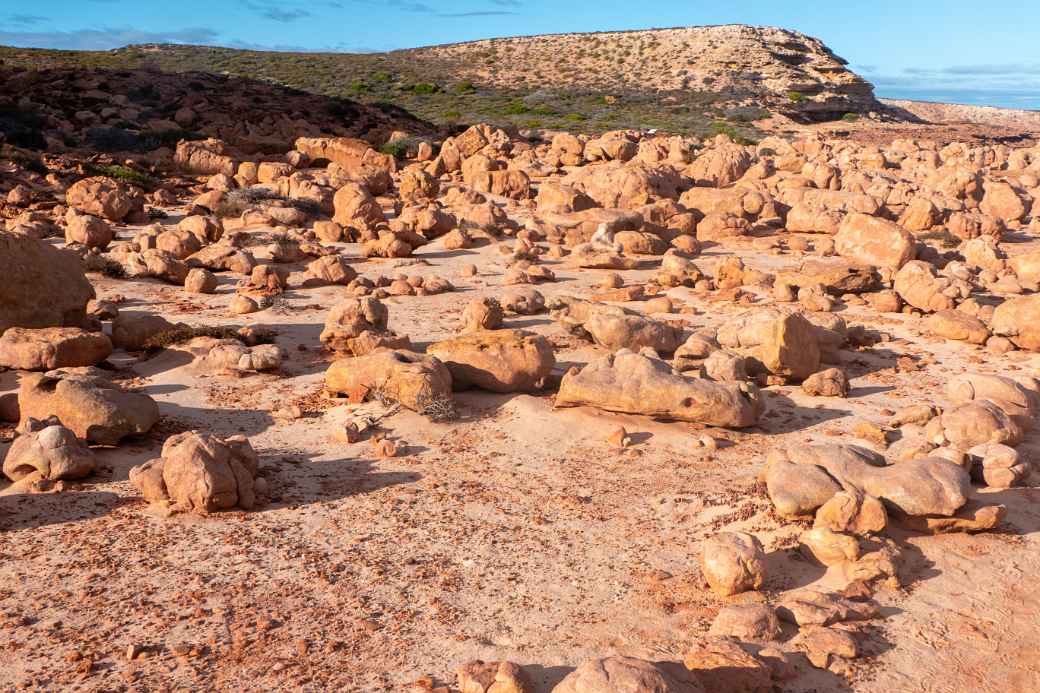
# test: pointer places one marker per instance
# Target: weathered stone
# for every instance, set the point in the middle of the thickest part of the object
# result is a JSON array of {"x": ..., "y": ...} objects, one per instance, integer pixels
[
  {"x": 92, "y": 407},
  {"x": 733, "y": 562},
  {"x": 632, "y": 383},
  {"x": 747, "y": 622},
  {"x": 628, "y": 675},
  {"x": 722, "y": 665},
  {"x": 202, "y": 473},
  {"x": 416, "y": 381},
  {"x": 42, "y": 286},
  {"x": 492, "y": 677},
  {"x": 874, "y": 241},
  {"x": 48, "y": 348},
  {"x": 50, "y": 450},
  {"x": 496, "y": 360}
]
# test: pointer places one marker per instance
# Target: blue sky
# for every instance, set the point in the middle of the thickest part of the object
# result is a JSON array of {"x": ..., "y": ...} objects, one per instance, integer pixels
[{"x": 953, "y": 50}]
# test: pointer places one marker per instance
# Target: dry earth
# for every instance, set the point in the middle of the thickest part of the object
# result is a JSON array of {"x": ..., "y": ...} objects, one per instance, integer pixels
[{"x": 516, "y": 532}]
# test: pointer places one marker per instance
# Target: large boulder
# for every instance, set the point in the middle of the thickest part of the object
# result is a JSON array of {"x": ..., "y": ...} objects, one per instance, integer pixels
[
  {"x": 92, "y": 407},
  {"x": 355, "y": 207},
  {"x": 1002, "y": 202},
  {"x": 733, "y": 562},
  {"x": 797, "y": 490},
  {"x": 492, "y": 677},
  {"x": 42, "y": 286},
  {"x": 50, "y": 451},
  {"x": 928, "y": 486},
  {"x": 786, "y": 344},
  {"x": 496, "y": 360},
  {"x": 48, "y": 348},
  {"x": 917, "y": 284},
  {"x": 957, "y": 325},
  {"x": 631, "y": 185},
  {"x": 136, "y": 331},
  {"x": 741, "y": 202},
  {"x": 359, "y": 326},
  {"x": 414, "y": 380},
  {"x": 615, "y": 328},
  {"x": 631, "y": 383},
  {"x": 101, "y": 197},
  {"x": 1018, "y": 319},
  {"x": 874, "y": 241},
  {"x": 628, "y": 675},
  {"x": 977, "y": 422},
  {"x": 722, "y": 665},
  {"x": 836, "y": 275},
  {"x": 206, "y": 157},
  {"x": 200, "y": 472}
]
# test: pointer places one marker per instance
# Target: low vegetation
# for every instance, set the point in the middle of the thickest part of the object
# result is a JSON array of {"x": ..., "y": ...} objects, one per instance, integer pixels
[{"x": 429, "y": 89}]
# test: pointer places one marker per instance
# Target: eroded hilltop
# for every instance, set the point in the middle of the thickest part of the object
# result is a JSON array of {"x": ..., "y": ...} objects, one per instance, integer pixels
[{"x": 688, "y": 80}]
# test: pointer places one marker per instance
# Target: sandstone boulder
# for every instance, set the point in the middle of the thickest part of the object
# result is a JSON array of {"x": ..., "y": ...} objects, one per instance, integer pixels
[
  {"x": 492, "y": 677},
  {"x": 42, "y": 286},
  {"x": 92, "y": 407},
  {"x": 49, "y": 450},
  {"x": 785, "y": 343},
  {"x": 632, "y": 383},
  {"x": 628, "y": 675},
  {"x": 957, "y": 325},
  {"x": 101, "y": 197},
  {"x": 1018, "y": 319},
  {"x": 733, "y": 562},
  {"x": 202, "y": 473},
  {"x": 48, "y": 348},
  {"x": 496, "y": 360},
  {"x": 414, "y": 380},
  {"x": 359, "y": 326},
  {"x": 874, "y": 241},
  {"x": 721, "y": 664},
  {"x": 917, "y": 284}
]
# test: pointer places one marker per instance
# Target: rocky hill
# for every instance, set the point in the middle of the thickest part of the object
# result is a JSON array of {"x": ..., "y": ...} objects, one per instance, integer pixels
[
  {"x": 694, "y": 80},
  {"x": 765, "y": 66},
  {"x": 140, "y": 109}
]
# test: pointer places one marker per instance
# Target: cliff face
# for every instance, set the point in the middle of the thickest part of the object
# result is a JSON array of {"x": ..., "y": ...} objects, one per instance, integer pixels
[{"x": 764, "y": 66}]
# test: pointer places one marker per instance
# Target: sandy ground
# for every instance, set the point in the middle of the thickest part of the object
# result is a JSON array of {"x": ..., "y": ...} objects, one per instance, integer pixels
[{"x": 516, "y": 532}]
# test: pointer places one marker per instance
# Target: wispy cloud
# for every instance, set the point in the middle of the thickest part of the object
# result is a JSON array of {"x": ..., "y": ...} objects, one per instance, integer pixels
[
  {"x": 276, "y": 11},
  {"x": 478, "y": 13},
  {"x": 25, "y": 19},
  {"x": 103, "y": 39}
]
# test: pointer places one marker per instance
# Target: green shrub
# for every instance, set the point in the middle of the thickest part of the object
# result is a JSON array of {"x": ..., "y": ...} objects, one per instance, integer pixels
[
  {"x": 795, "y": 96},
  {"x": 465, "y": 87},
  {"x": 423, "y": 88},
  {"x": 123, "y": 173},
  {"x": 516, "y": 108},
  {"x": 398, "y": 149},
  {"x": 451, "y": 115},
  {"x": 850, "y": 117},
  {"x": 359, "y": 87},
  {"x": 722, "y": 128},
  {"x": 575, "y": 117}
]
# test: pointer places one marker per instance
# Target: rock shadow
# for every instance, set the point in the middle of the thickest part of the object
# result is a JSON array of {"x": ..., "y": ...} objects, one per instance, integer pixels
[
  {"x": 34, "y": 510},
  {"x": 306, "y": 480},
  {"x": 543, "y": 678},
  {"x": 783, "y": 415}
]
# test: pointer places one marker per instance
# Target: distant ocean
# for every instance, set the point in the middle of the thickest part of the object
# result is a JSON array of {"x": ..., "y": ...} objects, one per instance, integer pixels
[{"x": 971, "y": 97}]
